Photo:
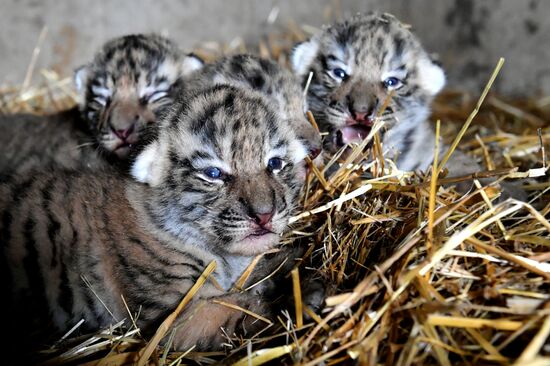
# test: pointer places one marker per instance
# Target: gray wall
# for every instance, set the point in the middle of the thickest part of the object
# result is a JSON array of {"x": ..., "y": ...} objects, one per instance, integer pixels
[{"x": 468, "y": 35}]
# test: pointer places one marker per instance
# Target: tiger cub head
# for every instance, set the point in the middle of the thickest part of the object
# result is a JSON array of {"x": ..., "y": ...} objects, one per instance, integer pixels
[
  {"x": 224, "y": 171},
  {"x": 280, "y": 85},
  {"x": 356, "y": 63},
  {"x": 128, "y": 85}
]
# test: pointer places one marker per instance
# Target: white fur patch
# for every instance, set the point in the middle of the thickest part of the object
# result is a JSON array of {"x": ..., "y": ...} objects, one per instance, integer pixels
[
  {"x": 101, "y": 101},
  {"x": 297, "y": 151},
  {"x": 191, "y": 63},
  {"x": 143, "y": 168},
  {"x": 80, "y": 78},
  {"x": 169, "y": 69},
  {"x": 302, "y": 56},
  {"x": 101, "y": 91},
  {"x": 432, "y": 77}
]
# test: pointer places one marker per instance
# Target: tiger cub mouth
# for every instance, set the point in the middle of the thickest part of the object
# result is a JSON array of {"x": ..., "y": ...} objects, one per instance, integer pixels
[{"x": 353, "y": 133}]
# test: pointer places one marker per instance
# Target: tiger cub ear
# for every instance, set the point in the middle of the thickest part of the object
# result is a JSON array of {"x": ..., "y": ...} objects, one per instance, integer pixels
[
  {"x": 191, "y": 63},
  {"x": 148, "y": 166},
  {"x": 80, "y": 79},
  {"x": 432, "y": 76},
  {"x": 303, "y": 55}
]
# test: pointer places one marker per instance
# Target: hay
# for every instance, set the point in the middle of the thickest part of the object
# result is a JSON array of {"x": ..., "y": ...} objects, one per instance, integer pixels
[{"x": 418, "y": 273}]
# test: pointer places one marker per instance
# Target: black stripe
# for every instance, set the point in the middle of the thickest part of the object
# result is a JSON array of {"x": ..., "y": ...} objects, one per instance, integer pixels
[
  {"x": 399, "y": 46},
  {"x": 37, "y": 286},
  {"x": 165, "y": 261},
  {"x": 199, "y": 154},
  {"x": 134, "y": 271},
  {"x": 17, "y": 193},
  {"x": 202, "y": 123},
  {"x": 65, "y": 294},
  {"x": 53, "y": 226},
  {"x": 407, "y": 143}
]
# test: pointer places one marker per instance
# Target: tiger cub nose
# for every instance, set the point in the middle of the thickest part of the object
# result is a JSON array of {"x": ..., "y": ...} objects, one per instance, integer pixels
[
  {"x": 263, "y": 219},
  {"x": 124, "y": 133},
  {"x": 360, "y": 116}
]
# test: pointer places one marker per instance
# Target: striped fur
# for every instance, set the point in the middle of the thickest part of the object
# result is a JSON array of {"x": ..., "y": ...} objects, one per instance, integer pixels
[
  {"x": 75, "y": 243},
  {"x": 266, "y": 76},
  {"x": 29, "y": 141},
  {"x": 123, "y": 92}
]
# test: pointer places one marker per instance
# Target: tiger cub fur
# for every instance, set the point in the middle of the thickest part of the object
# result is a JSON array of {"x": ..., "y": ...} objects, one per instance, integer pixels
[
  {"x": 267, "y": 77},
  {"x": 356, "y": 63},
  {"x": 123, "y": 92},
  {"x": 218, "y": 183}
]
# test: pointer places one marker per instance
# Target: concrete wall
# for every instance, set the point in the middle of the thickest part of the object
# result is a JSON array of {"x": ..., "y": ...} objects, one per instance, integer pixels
[{"x": 469, "y": 35}]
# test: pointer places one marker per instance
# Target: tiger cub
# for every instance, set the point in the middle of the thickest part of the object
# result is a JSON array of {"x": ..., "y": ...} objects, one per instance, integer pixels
[
  {"x": 123, "y": 92},
  {"x": 266, "y": 76},
  {"x": 356, "y": 63},
  {"x": 218, "y": 183}
]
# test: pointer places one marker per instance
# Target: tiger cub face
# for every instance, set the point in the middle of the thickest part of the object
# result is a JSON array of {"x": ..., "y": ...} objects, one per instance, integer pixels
[
  {"x": 356, "y": 64},
  {"x": 224, "y": 172},
  {"x": 266, "y": 76},
  {"x": 127, "y": 87}
]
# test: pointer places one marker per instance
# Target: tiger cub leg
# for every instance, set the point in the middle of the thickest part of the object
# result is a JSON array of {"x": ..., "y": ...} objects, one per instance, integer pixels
[{"x": 207, "y": 323}]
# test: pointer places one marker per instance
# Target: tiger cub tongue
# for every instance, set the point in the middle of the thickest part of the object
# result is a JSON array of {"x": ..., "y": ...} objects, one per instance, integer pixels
[{"x": 354, "y": 133}]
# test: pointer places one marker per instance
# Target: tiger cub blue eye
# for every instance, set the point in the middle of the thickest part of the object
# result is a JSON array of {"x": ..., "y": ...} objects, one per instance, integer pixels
[
  {"x": 275, "y": 164},
  {"x": 212, "y": 172},
  {"x": 392, "y": 82},
  {"x": 339, "y": 73}
]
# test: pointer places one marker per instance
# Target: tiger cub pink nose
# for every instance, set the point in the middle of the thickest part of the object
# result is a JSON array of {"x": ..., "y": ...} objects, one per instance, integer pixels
[
  {"x": 124, "y": 133},
  {"x": 360, "y": 116},
  {"x": 264, "y": 218}
]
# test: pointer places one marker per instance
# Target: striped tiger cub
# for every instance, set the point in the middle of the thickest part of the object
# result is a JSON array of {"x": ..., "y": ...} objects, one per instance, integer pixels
[
  {"x": 356, "y": 64},
  {"x": 123, "y": 91},
  {"x": 218, "y": 183}
]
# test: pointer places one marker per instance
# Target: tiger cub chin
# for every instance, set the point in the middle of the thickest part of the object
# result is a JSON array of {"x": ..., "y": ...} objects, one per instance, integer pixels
[
  {"x": 218, "y": 183},
  {"x": 124, "y": 90},
  {"x": 356, "y": 63},
  {"x": 266, "y": 76}
]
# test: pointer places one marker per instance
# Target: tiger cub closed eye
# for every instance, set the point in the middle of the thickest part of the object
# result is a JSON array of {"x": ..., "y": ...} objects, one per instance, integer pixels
[
  {"x": 218, "y": 183},
  {"x": 356, "y": 63},
  {"x": 123, "y": 92}
]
